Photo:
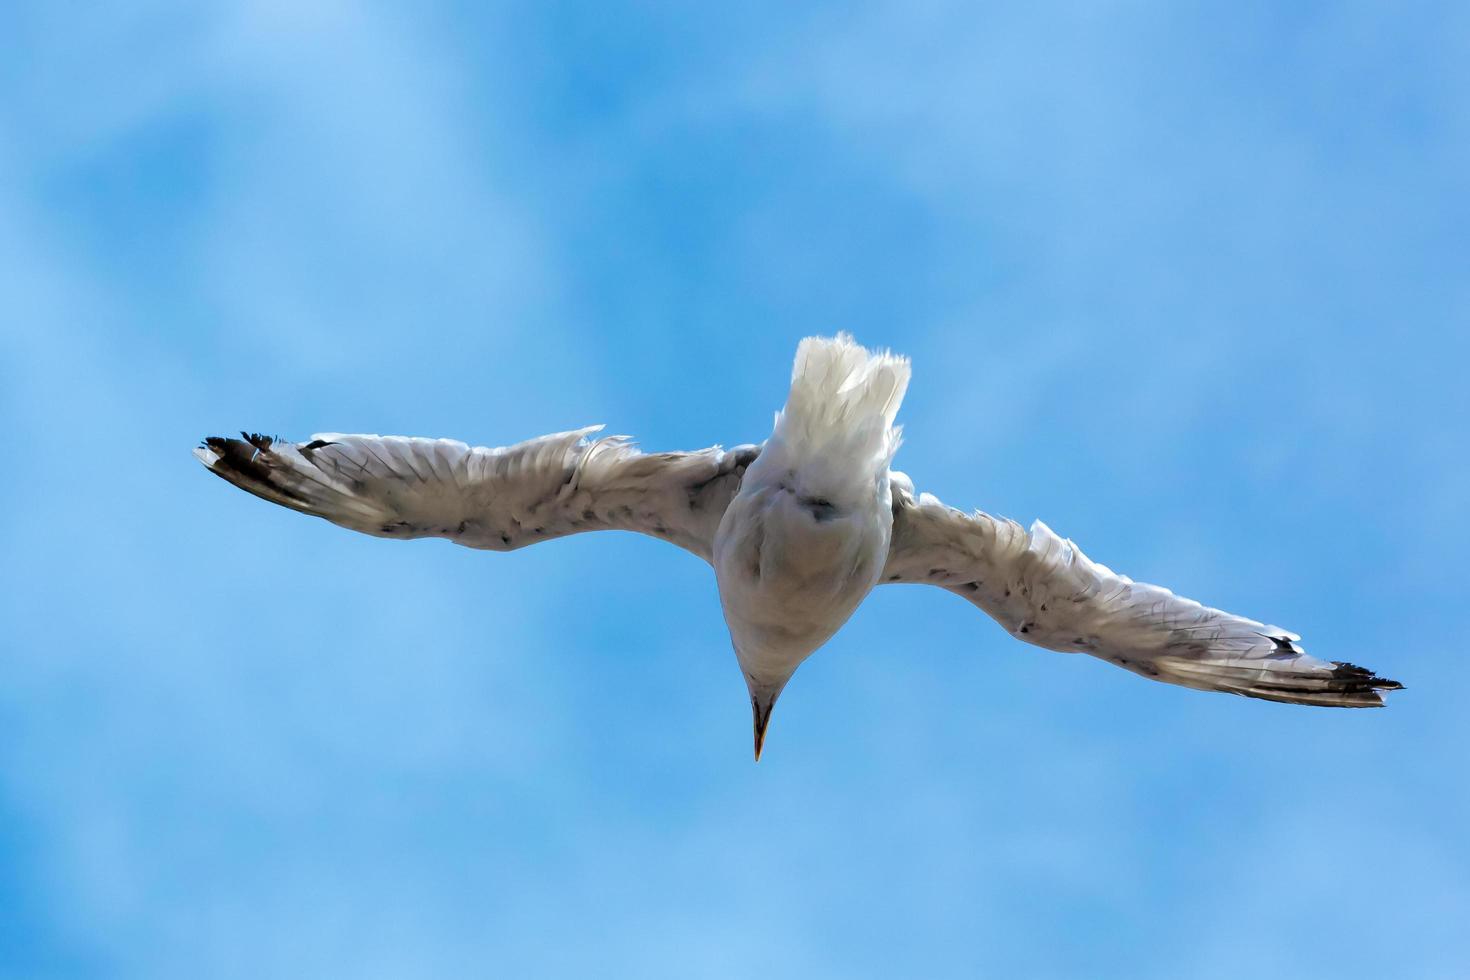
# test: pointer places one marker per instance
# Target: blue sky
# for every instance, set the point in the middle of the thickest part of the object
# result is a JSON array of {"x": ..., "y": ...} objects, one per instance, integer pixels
[{"x": 1189, "y": 283}]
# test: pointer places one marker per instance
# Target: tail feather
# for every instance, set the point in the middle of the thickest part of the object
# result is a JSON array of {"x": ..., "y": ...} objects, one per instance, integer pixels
[{"x": 837, "y": 426}]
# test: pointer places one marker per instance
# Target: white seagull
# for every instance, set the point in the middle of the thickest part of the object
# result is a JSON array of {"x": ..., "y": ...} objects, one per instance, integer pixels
[{"x": 799, "y": 531}]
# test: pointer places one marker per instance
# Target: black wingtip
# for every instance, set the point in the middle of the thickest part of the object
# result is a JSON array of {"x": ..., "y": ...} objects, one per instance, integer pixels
[
  {"x": 1357, "y": 679},
  {"x": 239, "y": 456}
]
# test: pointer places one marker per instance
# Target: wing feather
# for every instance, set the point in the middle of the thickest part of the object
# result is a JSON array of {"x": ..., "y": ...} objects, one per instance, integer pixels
[
  {"x": 495, "y": 498},
  {"x": 1044, "y": 590}
]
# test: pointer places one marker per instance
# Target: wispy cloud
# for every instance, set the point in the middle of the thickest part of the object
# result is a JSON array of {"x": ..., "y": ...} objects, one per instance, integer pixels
[{"x": 1155, "y": 272}]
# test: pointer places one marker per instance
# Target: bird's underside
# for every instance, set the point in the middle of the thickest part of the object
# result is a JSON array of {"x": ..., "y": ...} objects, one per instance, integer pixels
[{"x": 1040, "y": 587}]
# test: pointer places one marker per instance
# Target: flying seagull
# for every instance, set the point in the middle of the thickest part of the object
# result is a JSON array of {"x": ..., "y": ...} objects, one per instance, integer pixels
[{"x": 799, "y": 531}]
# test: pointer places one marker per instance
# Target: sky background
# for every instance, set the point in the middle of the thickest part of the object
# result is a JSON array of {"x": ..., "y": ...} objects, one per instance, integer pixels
[{"x": 1189, "y": 282}]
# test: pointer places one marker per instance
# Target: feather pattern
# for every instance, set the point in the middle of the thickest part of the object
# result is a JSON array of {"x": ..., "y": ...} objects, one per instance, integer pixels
[
  {"x": 798, "y": 530},
  {"x": 1044, "y": 590},
  {"x": 500, "y": 499}
]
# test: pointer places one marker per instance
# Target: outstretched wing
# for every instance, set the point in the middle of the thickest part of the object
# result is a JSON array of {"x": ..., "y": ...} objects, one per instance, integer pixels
[
  {"x": 501, "y": 499},
  {"x": 1047, "y": 592}
]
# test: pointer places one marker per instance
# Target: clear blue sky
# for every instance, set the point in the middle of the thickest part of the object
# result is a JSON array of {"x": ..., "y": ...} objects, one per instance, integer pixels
[{"x": 1190, "y": 285}]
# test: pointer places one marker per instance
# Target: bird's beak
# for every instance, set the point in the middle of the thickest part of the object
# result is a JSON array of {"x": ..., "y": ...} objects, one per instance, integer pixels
[{"x": 761, "y": 711}]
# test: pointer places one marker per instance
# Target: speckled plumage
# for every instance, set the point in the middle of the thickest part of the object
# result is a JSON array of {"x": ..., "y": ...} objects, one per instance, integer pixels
[{"x": 798, "y": 530}]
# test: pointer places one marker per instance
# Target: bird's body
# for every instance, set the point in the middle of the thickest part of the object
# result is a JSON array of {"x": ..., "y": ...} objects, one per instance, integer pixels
[
  {"x": 799, "y": 531},
  {"x": 788, "y": 579},
  {"x": 805, "y": 539}
]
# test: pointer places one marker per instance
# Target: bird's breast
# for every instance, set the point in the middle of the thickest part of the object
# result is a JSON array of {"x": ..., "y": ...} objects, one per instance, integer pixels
[{"x": 792, "y": 571}]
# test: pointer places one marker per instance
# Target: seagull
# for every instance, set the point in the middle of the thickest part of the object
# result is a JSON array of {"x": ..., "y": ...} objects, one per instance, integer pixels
[{"x": 799, "y": 530}]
